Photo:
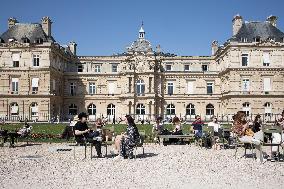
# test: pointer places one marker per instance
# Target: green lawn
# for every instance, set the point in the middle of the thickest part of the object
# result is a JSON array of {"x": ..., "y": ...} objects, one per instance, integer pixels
[{"x": 50, "y": 132}]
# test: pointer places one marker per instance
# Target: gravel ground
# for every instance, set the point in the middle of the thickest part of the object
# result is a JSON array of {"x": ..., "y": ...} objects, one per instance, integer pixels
[{"x": 178, "y": 166}]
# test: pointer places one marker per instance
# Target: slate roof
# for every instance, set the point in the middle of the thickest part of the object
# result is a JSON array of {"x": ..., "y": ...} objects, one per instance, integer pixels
[
  {"x": 30, "y": 31},
  {"x": 140, "y": 46},
  {"x": 262, "y": 30}
]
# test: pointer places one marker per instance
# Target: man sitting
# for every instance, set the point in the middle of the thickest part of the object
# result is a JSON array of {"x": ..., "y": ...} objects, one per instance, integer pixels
[{"x": 83, "y": 133}]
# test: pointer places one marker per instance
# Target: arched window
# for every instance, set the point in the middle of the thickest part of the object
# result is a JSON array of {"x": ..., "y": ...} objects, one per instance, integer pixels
[
  {"x": 209, "y": 109},
  {"x": 92, "y": 109},
  {"x": 14, "y": 108},
  {"x": 140, "y": 109},
  {"x": 34, "y": 109},
  {"x": 110, "y": 109},
  {"x": 268, "y": 109},
  {"x": 246, "y": 108},
  {"x": 72, "y": 109},
  {"x": 190, "y": 110},
  {"x": 140, "y": 87},
  {"x": 171, "y": 110}
]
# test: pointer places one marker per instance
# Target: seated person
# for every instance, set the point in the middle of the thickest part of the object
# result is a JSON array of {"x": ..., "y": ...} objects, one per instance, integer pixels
[
  {"x": 197, "y": 126},
  {"x": 68, "y": 130},
  {"x": 214, "y": 123},
  {"x": 177, "y": 126},
  {"x": 129, "y": 139},
  {"x": 158, "y": 128},
  {"x": 83, "y": 133},
  {"x": 244, "y": 133},
  {"x": 23, "y": 132},
  {"x": 177, "y": 129}
]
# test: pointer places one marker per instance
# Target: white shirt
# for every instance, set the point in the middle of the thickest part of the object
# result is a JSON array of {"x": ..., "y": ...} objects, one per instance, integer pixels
[{"x": 215, "y": 125}]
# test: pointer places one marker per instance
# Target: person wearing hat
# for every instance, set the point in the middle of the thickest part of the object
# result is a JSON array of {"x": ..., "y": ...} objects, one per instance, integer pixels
[{"x": 83, "y": 133}]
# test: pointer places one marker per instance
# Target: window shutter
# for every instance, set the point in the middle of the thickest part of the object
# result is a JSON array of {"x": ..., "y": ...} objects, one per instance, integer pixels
[
  {"x": 35, "y": 82},
  {"x": 15, "y": 79},
  {"x": 266, "y": 57},
  {"x": 111, "y": 87},
  {"x": 266, "y": 84},
  {"x": 190, "y": 87},
  {"x": 16, "y": 56},
  {"x": 14, "y": 109}
]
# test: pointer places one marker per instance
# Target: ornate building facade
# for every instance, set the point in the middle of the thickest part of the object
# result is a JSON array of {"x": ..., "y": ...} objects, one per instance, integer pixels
[{"x": 41, "y": 79}]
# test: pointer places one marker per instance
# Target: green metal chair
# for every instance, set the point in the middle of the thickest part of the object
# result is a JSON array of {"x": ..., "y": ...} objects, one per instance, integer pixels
[
  {"x": 225, "y": 128},
  {"x": 141, "y": 143},
  {"x": 207, "y": 132},
  {"x": 271, "y": 129}
]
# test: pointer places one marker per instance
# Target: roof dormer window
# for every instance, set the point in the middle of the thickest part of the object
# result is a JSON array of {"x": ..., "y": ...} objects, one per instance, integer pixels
[
  {"x": 11, "y": 40},
  {"x": 244, "y": 40},
  {"x": 25, "y": 40},
  {"x": 257, "y": 39},
  {"x": 1, "y": 40},
  {"x": 39, "y": 40}
]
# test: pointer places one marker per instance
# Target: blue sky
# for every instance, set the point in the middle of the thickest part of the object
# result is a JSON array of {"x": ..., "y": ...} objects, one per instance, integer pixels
[{"x": 105, "y": 27}]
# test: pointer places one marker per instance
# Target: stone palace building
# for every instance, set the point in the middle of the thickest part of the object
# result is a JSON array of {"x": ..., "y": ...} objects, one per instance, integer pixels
[{"x": 41, "y": 79}]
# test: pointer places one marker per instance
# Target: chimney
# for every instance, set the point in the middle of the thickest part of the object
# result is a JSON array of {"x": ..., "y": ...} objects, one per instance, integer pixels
[
  {"x": 272, "y": 20},
  {"x": 237, "y": 24},
  {"x": 214, "y": 47},
  {"x": 73, "y": 47},
  {"x": 12, "y": 22},
  {"x": 46, "y": 25}
]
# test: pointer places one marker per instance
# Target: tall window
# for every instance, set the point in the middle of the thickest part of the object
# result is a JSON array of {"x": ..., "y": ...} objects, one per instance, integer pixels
[
  {"x": 209, "y": 109},
  {"x": 114, "y": 67},
  {"x": 35, "y": 85},
  {"x": 53, "y": 85},
  {"x": 72, "y": 109},
  {"x": 35, "y": 60},
  {"x": 111, "y": 87},
  {"x": 72, "y": 89},
  {"x": 266, "y": 59},
  {"x": 190, "y": 109},
  {"x": 97, "y": 68},
  {"x": 15, "y": 86},
  {"x": 92, "y": 88},
  {"x": 246, "y": 108},
  {"x": 80, "y": 68},
  {"x": 245, "y": 85},
  {"x": 266, "y": 85},
  {"x": 171, "y": 110},
  {"x": 34, "y": 109},
  {"x": 209, "y": 88},
  {"x": 204, "y": 67},
  {"x": 92, "y": 109},
  {"x": 140, "y": 109},
  {"x": 170, "y": 88},
  {"x": 267, "y": 109},
  {"x": 16, "y": 59},
  {"x": 110, "y": 109},
  {"x": 14, "y": 109},
  {"x": 244, "y": 59},
  {"x": 140, "y": 87},
  {"x": 190, "y": 87}
]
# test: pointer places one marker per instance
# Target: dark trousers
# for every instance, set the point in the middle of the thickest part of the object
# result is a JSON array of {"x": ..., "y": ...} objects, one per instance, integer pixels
[
  {"x": 98, "y": 147},
  {"x": 97, "y": 144}
]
